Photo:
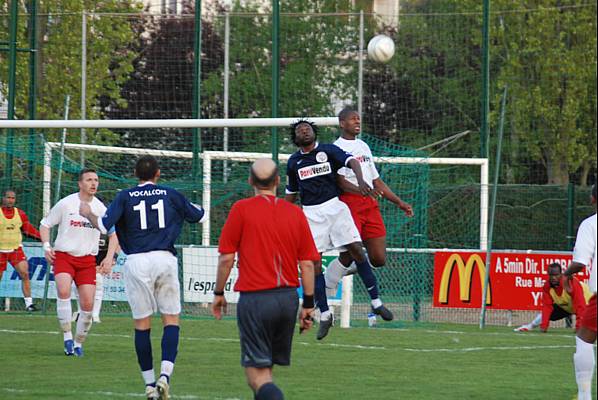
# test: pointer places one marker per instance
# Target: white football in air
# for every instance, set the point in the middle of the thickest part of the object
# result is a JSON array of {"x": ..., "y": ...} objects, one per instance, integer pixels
[{"x": 381, "y": 48}]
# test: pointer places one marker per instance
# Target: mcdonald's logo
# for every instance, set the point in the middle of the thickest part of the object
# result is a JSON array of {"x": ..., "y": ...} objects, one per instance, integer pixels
[{"x": 465, "y": 277}]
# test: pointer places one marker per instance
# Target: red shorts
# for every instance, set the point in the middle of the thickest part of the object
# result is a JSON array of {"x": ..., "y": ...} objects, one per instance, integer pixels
[
  {"x": 14, "y": 257},
  {"x": 366, "y": 215},
  {"x": 588, "y": 320},
  {"x": 82, "y": 269}
]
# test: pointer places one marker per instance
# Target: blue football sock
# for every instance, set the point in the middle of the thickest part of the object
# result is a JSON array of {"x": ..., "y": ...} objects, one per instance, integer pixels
[
  {"x": 320, "y": 293},
  {"x": 170, "y": 343},
  {"x": 143, "y": 347},
  {"x": 369, "y": 279}
]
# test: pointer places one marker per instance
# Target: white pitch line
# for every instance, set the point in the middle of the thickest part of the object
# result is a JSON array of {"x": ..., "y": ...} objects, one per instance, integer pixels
[
  {"x": 191, "y": 338},
  {"x": 126, "y": 395},
  {"x": 520, "y": 334},
  {"x": 348, "y": 346},
  {"x": 470, "y": 349}
]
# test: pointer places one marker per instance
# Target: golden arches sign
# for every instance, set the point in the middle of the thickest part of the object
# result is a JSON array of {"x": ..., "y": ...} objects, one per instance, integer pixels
[{"x": 465, "y": 270}]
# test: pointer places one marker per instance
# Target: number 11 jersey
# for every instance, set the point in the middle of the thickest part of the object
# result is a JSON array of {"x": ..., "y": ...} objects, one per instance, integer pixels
[{"x": 149, "y": 217}]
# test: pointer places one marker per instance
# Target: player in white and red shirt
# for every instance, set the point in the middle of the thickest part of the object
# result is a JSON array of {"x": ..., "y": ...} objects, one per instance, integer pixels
[
  {"x": 73, "y": 257},
  {"x": 584, "y": 256},
  {"x": 364, "y": 209}
]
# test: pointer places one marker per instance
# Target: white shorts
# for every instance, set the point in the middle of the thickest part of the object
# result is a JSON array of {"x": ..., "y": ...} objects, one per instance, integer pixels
[
  {"x": 152, "y": 283},
  {"x": 331, "y": 225}
]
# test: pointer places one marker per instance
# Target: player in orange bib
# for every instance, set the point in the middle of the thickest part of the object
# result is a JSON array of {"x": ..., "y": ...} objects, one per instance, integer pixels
[{"x": 13, "y": 223}]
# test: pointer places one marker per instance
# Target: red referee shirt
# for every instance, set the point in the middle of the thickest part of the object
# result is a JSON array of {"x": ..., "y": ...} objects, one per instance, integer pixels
[{"x": 271, "y": 236}]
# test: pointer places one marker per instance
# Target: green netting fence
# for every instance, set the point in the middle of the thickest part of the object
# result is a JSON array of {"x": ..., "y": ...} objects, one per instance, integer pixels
[{"x": 425, "y": 101}]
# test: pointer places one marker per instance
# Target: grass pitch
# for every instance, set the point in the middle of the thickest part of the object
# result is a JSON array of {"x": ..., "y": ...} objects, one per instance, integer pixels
[{"x": 410, "y": 361}]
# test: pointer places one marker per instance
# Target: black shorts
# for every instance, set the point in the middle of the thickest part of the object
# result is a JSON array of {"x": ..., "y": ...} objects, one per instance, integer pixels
[
  {"x": 266, "y": 321},
  {"x": 558, "y": 313}
]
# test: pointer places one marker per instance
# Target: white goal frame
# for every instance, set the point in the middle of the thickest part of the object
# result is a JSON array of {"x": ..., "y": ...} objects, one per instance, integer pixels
[{"x": 208, "y": 156}]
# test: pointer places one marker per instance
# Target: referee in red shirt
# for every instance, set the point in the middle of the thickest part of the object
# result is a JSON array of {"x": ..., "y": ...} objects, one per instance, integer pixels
[{"x": 271, "y": 236}]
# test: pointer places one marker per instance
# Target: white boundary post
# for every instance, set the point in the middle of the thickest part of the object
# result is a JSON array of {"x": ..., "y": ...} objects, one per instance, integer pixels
[
  {"x": 484, "y": 201},
  {"x": 346, "y": 301},
  {"x": 46, "y": 191},
  {"x": 206, "y": 198}
]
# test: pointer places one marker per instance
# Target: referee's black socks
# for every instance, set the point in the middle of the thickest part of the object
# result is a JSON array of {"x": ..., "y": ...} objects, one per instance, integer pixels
[{"x": 269, "y": 391}]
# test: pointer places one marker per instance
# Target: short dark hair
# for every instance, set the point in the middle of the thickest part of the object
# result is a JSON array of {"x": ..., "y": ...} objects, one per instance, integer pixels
[
  {"x": 146, "y": 168},
  {"x": 345, "y": 112},
  {"x": 263, "y": 183},
  {"x": 9, "y": 190},
  {"x": 85, "y": 171},
  {"x": 294, "y": 126},
  {"x": 555, "y": 265}
]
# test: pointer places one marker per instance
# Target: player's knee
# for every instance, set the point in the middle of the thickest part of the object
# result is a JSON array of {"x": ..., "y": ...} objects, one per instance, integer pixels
[
  {"x": 377, "y": 259},
  {"x": 345, "y": 258},
  {"x": 356, "y": 252},
  {"x": 24, "y": 276}
]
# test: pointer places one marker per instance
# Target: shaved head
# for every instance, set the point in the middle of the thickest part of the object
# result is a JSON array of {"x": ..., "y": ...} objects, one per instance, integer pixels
[{"x": 263, "y": 173}]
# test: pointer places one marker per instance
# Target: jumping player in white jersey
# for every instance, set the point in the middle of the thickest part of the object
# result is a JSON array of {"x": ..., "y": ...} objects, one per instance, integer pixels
[
  {"x": 74, "y": 257},
  {"x": 311, "y": 173},
  {"x": 584, "y": 256},
  {"x": 364, "y": 209},
  {"x": 148, "y": 220}
]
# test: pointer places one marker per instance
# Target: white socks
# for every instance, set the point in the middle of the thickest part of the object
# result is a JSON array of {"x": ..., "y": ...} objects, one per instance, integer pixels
[
  {"x": 64, "y": 312},
  {"x": 376, "y": 303},
  {"x": 149, "y": 377},
  {"x": 28, "y": 301},
  {"x": 166, "y": 368},
  {"x": 325, "y": 316},
  {"x": 334, "y": 273},
  {"x": 97, "y": 302},
  {"x": 83, "y": 326},
  {"x": 537, "y": 321},
  {"x": 584, "y": 368}
]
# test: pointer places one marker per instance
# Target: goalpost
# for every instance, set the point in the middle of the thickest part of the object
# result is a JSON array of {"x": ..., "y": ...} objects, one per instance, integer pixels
[{"x": 209, "y": 156}]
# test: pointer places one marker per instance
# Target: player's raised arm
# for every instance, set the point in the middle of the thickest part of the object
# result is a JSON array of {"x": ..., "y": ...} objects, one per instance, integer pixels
[{"x": 382, "y": 188}]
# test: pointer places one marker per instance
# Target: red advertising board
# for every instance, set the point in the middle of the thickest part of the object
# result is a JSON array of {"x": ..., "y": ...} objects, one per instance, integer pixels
[{"x": 516, "y": 279}]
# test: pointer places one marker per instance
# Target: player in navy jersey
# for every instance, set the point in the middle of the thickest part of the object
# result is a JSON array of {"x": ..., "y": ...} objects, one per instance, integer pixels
[
  {"x": 311, "y": 173},
  {"x": 148, "y": 220}
]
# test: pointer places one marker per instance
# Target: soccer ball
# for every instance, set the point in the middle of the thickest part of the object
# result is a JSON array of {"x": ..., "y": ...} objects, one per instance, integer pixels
[{"x": 381, "y": 48}]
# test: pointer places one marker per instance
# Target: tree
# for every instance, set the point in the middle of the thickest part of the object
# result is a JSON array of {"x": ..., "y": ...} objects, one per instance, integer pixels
[
  {"x": 548, "y": 61},
  {"x": 59, "y": 56},
  {"x": 545, "y": 54},
  {"x": 430, "y": 89}
]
